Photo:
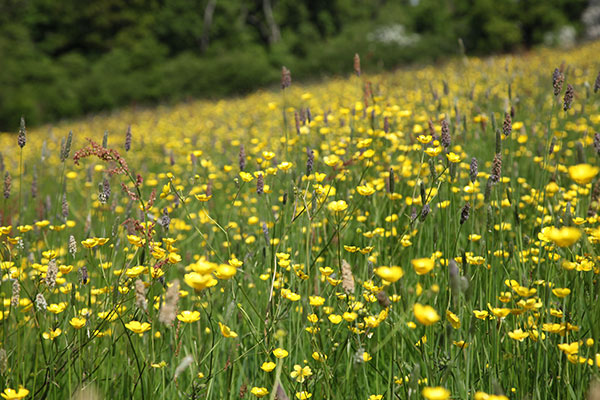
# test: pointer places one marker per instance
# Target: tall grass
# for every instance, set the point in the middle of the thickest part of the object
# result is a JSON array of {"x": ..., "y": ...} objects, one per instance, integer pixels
[{"x": 333, "y": 241}]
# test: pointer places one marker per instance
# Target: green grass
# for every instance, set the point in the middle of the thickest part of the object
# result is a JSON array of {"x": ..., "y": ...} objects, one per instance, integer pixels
[{"x": 295, "y": 268}]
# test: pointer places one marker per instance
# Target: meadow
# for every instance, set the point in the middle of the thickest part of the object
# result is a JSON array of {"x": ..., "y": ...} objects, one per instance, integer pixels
[{"x": 427, "y": 233}]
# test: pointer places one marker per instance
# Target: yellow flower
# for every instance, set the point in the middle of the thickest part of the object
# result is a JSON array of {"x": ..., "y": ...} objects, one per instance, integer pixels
[
  {"x": 569, "y": 348},
  {"x": 561, "y": 292},
  {"x": 390, "y": 274},
  {"x": 460, "y": 343},
  {"x": 280, "y": 353},
  {"x": 173, "y": 258},
  {"x": 337, "y": 206},
  {"x": 234, "y": 262},
  {"x": 518, "y": 334},
  {"x": 303, "y": 395},
  {"x": 453, "y": 319},
  {"x": 90, "y": 243},
  {"x": 499, "y": 312},
  {"x": 199, "y": 281},
  {"x": 52, "y": 334},
  {"x": 42, "y": 224},
  {"x": 563, "y": 237},
  {"x": 335, "y": 318},
  {"x": 225, "y": 271},
  {"x": 583, "y": 173},
  {"x": 300, "y": 373},
  {"x": 453, "y": 158},
  {"x": 316, "y": 301},
  {"x": 188, "y": 316},
  {"x": 136, "y": 271},
  {"x": 376, "y": 397},
  {"x": 426, "y": 315},
  {"x": 159, "y": 365},
  {"x": 367, "y": 154},
  {"x": 246, "y": 177},
  {"x": 422, "y": 265},
  {"x": 136, "y": 240},
  {"x": 268, "y": 366},
  {"x": 424, "y": 138},
  {"x": 268, "y": 155},
  {"x": 137, "y": 327},
  {"x": 433, "y": 151},
  {"x": 331, "y": 160},
  {"x": 436, "y": 393},
  {"x": 226, "y": 331},
  {"x": 77, "y": 323},
  {"x": 11, "y": 394},
  {"x": 485, "y": 396},
  {"x": 57, "y": 308},
  {"x": 202, "y": 197},
  {"x": 24, "y": 228},
  {"x": 365, "y": 190},
  {"x": 284, "y": 166},
  {"x": 259, "y": 391}
]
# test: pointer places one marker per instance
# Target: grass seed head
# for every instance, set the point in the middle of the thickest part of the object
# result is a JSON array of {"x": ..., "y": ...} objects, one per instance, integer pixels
[
  {"x": 72, "y": 246},
  {"x": 383, "y": 299},
  {"x": 473, "y": 170},
  {"x": 128, "y": 138},
  {"x": 7, "y": 185},
  {"x": 310, "y": 160},
  {"x": 51, "y": 274},
  {"x": 242, "y": 158},
  {"x": 496, "y": 168},
  {"x": 568, "y": 99},
  {"x": 357, "y": 64},
  {"x": 347, "y": 277},
  {"x": 140, "y": 295},
  {"x": 446, "y": 140},
  {"x": 40, "y": 302},
  {"x": 16, "y": 294},
  {"x": 168, "y": 311},
  {"x": 286, "y": 78},
  {"x": 557, "y": 81},
  {"x": 507, "y": 125},
  {"x": 260, "y": 184},
  {"x": 22, "y": 138},
  {"x": 464, "y": 214}
]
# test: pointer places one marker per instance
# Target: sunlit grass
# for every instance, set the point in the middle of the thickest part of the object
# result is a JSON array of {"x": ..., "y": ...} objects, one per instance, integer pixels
[{"x": 430, "y": 233}]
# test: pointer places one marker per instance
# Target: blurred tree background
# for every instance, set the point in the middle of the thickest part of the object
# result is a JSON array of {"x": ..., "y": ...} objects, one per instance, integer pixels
[{"x": 68, "y": 57}]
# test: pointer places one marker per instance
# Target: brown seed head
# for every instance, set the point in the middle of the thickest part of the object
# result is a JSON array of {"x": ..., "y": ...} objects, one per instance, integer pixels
[
  {"x": 473, "y": 170},
  {"x": 7, "y": 185},
  {"x": 22, "y": 138},
  {"x": 446, "y": 140},
  {"x": 557, "y": 81},
  {"x": 464, "y": 214},
  {"x": 568, "y": 99},
  {"x": 347, "y": 277},
  {"x": 357, "y": 64},
  {"x": 168, "y": 311},
  {"x": 507, "y": 125},
  {"x": 140, "y": 295},
  {"x": 286, "y": 78},
  {"x": 128, "y": 138},
  {"x": 496, "y": 168}
]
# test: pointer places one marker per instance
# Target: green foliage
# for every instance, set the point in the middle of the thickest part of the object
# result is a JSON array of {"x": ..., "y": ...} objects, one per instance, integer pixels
[{"x": 62, "y": 59}]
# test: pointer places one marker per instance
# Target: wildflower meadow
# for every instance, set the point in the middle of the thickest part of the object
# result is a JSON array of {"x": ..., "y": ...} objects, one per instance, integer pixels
[{"x": 426, "y": 233}]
